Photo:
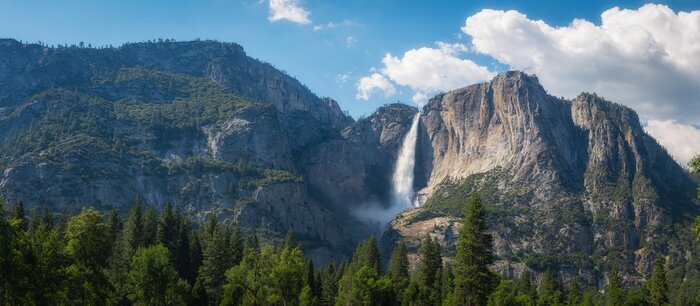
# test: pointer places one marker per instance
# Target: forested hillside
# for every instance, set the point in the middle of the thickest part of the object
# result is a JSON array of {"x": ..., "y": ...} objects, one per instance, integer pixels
[{"x": 152, "y": 258}]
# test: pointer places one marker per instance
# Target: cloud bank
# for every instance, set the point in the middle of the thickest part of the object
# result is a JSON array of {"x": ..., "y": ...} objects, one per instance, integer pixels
[
  {"x": 426, "y": 71},
  {"x": 289, "y": 10},
  {"x": 648, "y": 58},
  {"x": 682, "y": 141}
]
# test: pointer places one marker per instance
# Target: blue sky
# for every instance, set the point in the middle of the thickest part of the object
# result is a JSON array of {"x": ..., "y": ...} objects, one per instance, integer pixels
[{"x": 332, "y": 59}]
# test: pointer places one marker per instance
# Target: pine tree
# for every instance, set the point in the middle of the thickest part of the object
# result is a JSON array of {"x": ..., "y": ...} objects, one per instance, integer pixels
[
  {"x": 524, "y": 286},
  {"x": 614, "y": 294},
  {"x": 237, "y": 246},
  {"x": 88, "y": 246},
  {"x": 130, "y": 239},
  {"x": 216, "y": 260},
  {"x": 181, "y": 255},
  {"x": 195, "y": 255},
  {"x": 549, "y": 292},
  {"x": 114, "y": 225},
  {"x": 150, "y": 226},
  {"x": 47, "y": 268},
  {"x": 574, "y": 292},
  {"x": 473, "y": 279},
  {"x": 19, "y": 215},
  {"x": 658, "y": 288},
  {"x": 366, "y": 255},
  {"x": 429, "y": 272},
  {"x": 504, "y": 294},
  {"x": 369, "y": 255},
  {"x": 430, "y": 263},
  {"x": 168, "y": 229},
  {"x": 398, "y": 264},
  {"x": 153, "y": 280},
  {"x": 289, "y": 239},
  {"x": 133, "y": 228},
  {"x": 447, "y": 286},
  {"x": 47, "y": 217},
  {"x": 398, "y": 269},
  {"x": 329, "y": 285}
]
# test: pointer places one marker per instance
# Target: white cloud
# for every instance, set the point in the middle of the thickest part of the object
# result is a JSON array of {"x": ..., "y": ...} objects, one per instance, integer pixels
[
  {"x": 350, "y": 41},
  {"x": 333, "y": 25},
  {"x": 375, "y": 82},
  {"x": 648, "y": 58},
  {"x": 429, "y": 70},
  {"x": 342, "y": 78},
  {"x": 682, "y": 141},
  {"x": 288, "y": 10}
]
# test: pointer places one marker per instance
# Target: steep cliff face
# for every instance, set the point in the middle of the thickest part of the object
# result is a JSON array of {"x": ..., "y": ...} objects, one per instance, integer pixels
[
  {"x": 570, "y": 183},
  {"x": 197, "y": 123},
  {"x": 355, "y": 170}
]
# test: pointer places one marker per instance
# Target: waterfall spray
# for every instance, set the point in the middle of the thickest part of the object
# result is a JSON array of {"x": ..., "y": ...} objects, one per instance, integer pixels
[{"x": 402, "y": 182}]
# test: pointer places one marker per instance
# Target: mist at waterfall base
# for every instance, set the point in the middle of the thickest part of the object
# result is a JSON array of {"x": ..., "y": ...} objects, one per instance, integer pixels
[{"x": 402, "y": 193}]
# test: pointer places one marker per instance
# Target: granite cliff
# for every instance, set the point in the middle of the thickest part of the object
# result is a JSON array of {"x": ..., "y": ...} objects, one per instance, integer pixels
[{"x": 570, "y": 183}]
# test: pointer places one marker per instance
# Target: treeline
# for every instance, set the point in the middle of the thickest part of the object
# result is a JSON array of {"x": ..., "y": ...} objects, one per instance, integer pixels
[{"x": 162, "y": 259}]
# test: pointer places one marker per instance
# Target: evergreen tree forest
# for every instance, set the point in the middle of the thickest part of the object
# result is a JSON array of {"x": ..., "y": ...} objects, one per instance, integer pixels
[{"x": 150, "y": 257}]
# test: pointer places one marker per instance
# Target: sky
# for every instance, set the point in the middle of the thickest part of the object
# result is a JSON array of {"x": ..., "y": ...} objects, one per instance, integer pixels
[{"x": 366, "y": 53}]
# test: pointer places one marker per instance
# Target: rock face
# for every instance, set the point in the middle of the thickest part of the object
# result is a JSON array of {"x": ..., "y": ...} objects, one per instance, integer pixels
[
  {"x": 199, "y": 124},
  {"x": 574, "y": 184},
  {"x": 571, "y": 183},
  {"x": 356, "y": 169}
]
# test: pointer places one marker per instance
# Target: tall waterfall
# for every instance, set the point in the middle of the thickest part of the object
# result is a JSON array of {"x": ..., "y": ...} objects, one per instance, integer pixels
[
  {"x": 402, "y": 181},
  {"x": 401, "y": 185}
]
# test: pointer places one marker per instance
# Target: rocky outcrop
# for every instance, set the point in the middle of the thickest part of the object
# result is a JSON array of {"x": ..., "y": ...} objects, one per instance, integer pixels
[{"x": 565, "y": 179}]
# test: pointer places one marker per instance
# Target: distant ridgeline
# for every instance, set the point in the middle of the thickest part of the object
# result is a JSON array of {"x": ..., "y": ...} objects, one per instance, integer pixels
[{"x": 575, "y": 187}]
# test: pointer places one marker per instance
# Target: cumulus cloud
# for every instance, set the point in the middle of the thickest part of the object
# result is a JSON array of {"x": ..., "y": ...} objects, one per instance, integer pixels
[
  {"x": 374, "y": 83},
  {"x": 289, "y": 10},
  {"x": 682, "y": 141},
  {"x": 429, "y": 70},
  {"x": 648, "y": 58}
]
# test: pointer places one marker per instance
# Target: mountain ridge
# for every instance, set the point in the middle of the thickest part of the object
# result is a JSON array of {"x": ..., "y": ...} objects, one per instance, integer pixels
[{"x": 204, "y": 125}]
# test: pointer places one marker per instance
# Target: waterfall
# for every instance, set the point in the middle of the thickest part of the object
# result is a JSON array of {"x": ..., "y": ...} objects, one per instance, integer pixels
[
  {"x": 402, "y": 193},
  {"x": 402, "y": 181}
]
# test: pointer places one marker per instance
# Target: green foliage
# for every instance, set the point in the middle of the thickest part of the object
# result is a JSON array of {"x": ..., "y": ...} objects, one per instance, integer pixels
[
  {"x": 694, "y": 164},
  {"x": 473, "y": 279},
  {"x": 614, "y": 293},
  {"x": 88, "y": 245},
  {"x": 398, "y": 269},
  {"x": 189, "y": 102},
  {"x": 574, "y": 292},
  {"x": 153, "y": 280},
  {"x": 369, "y": 288},
  {"x": 450, "y": 197},
  {"x": 549, "y": 292},
  {"x": 658, "y": 288},
  {"x": 216, "y": 260},
  {"x": 267, "y": 277},
  {"x": 366, "y": 254},
  {"x": 504, "y": 295},
  {"x": 76, "y": 264},
  {"x": 330, "y": 276},
  {"x": 150, "y": 226},
  {"x": 429, "y": 275}
]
